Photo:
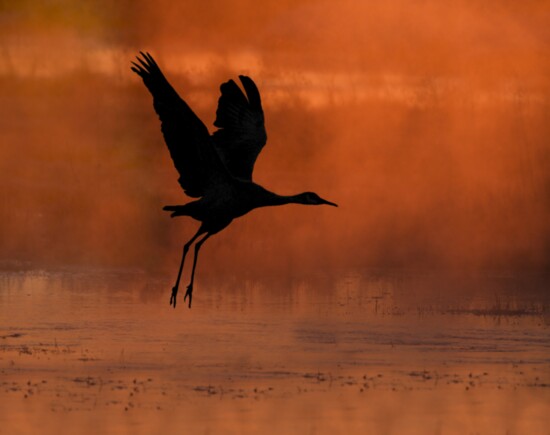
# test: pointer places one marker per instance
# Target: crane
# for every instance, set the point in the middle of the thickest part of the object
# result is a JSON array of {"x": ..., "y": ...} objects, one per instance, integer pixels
[{"x": 215, "y": 168}]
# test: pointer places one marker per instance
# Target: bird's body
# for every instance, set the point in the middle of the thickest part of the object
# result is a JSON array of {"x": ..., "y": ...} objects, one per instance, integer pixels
[
  {"x": 215, "y": 168},
  {"x": 231, "y": 202}
]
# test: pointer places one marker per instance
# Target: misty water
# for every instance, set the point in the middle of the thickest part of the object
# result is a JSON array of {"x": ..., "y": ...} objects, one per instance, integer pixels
[
  {"x": 427, "y": 122},
  {"x": 380, "y": 351}
]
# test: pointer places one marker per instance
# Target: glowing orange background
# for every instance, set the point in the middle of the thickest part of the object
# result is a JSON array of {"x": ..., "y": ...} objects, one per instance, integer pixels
[{"x": 427, "y": 122}]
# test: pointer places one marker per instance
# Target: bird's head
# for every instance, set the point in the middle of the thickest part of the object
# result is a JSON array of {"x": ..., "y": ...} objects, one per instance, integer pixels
[{"x": 311, "y": 198}]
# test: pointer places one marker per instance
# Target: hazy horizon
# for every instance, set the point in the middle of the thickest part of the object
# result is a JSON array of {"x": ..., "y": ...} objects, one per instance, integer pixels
[{"x": 427, "y": 124}]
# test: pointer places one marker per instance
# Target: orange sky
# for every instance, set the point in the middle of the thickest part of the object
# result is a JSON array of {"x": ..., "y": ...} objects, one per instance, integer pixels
[{"x": 428, "y": 123}]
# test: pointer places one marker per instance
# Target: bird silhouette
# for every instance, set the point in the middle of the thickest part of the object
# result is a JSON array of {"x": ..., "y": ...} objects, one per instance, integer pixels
[{"x": 217, "y": 168}]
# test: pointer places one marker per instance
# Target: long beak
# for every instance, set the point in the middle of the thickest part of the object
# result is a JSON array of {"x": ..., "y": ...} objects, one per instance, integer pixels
[{"x": 329, "y": 203}]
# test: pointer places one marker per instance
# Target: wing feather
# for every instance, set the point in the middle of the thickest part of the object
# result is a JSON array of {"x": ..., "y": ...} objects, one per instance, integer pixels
[
  {"x": 190, "y": 145},
  {"x": 241, "y": 134}
]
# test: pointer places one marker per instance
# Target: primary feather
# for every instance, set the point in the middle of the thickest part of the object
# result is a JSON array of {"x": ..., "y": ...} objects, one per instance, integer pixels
[
  {"x": 241, "y": 134},
  {"x": 190, "y": 145}
]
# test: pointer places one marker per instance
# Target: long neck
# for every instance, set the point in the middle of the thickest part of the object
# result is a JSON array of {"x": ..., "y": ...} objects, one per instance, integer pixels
[{"x": 269, "y": 199}]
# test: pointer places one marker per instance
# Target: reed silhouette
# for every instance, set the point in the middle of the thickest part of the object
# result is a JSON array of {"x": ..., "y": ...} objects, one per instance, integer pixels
[{"x": 216, "y": 168}]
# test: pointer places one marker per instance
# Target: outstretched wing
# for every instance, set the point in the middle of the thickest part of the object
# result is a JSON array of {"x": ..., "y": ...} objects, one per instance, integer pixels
[
  {"x": 241, "y": 135},
  {"x": 188, "y": 140}
]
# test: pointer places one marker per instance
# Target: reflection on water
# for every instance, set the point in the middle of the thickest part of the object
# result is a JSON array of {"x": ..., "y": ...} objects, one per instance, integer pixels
[{"x": 378, "y": 352}]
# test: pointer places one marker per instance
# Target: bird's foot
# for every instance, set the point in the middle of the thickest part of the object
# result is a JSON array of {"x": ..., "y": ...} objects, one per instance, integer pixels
[
  {"x": 189, "y": 293},
  {"x": 173, "y": 297}
]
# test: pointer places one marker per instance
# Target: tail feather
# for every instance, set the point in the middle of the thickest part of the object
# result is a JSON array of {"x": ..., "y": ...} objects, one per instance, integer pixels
[{"x": 177, "y": 210}]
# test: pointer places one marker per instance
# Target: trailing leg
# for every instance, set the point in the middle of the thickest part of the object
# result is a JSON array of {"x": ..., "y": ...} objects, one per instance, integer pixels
[
  {"x": 190, "y": 286},
  {"x": 185, "y": 249}
]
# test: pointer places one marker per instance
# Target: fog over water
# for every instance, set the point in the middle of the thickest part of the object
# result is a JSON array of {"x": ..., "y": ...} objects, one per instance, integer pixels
[
  {"x": 420, "y": 305},
  {"x": 428, "y": 124}
]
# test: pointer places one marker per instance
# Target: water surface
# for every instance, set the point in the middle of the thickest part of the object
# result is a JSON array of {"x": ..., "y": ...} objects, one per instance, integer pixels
[{"x": 102, "y": 352}]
